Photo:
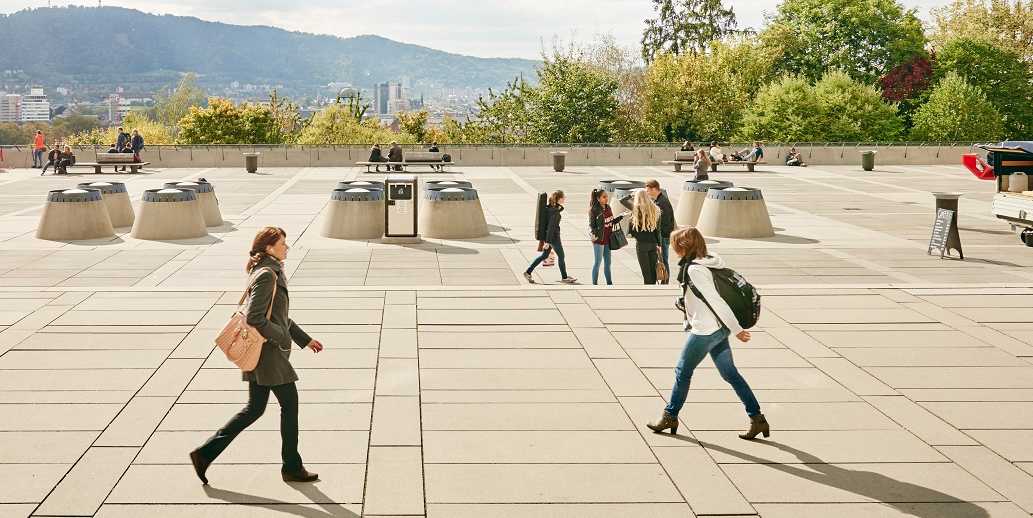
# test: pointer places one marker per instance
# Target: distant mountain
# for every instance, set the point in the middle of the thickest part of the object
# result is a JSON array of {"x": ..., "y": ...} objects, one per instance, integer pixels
[{"x": 110, "y": 44}]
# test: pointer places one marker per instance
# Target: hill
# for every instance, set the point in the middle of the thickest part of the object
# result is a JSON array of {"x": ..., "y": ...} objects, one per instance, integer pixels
[{"x": 90, "y": 44}]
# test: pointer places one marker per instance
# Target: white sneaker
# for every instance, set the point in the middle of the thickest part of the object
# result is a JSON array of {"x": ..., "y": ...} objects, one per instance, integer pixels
[{"x": 529, "y": 278}]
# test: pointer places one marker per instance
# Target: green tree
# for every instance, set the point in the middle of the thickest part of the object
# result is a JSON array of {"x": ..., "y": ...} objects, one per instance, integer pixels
[
  {"x": 957, "y": 111},
  {"x": 336, "y": 124},
  {"x": 685, "y": 26},
  {"x": 414, "y": 123},
  {"x": 864, "y": 38},
  {"x": 287, "y": 116},
  {"x": 505, "y": 117},
  {"x": 152, "y": 132},
  {"x": 573, "y": 102},
  {"x": 12, "y": 134},
  {"x": 223, "y": 122},
  {"x": 170, "y": 108},
  {"x": 1006, "y": 23},
  {"x": 1002, "y": 74},
  {"x": 73, "y": 124},
  {"x": 835, "y": 109}
]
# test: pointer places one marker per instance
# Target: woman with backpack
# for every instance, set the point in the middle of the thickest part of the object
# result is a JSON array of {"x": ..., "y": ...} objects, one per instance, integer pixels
[
  {"x": 645, "y": 228},
  {"x": 267, "y": 308},
  {"x": 711, "y": 321},
  {"x": 553, "y": 210},
  {"x": 601, "y": 221}
]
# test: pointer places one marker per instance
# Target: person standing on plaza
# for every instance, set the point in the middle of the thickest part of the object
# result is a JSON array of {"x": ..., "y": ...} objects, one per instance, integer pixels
[
  {"x": 601, "y": 221},
  {"x": 39, "y": 147},
  {"x": 711, "y": 321},
  {"x": 702, "y": 166},
  {"x": 267, "y": 294},
  {"x": 645, "y": 228},
  {"x": 136, "y": 144},
  {"x": 666, "y": 219},
  {"x": 554, "y": 209},
  {"x": 122, "y": 142}
]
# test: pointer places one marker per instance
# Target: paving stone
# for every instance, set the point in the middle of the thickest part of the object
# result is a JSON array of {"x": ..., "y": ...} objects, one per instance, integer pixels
[
  {"x": 258, "y": 447},
  {"x": 930, "y": 357},
  {"x": 744, "y": 357},
  {"x": 490, "y": 316},
  {"x": 506, "y": 447},
  {"x": 82, "y": 359},
  {"x": 84, "y": 417},
  {"x": 462, "y": 339},
  {"x": 955, "y": 377},
  {"x": 787, "y": 416},
  {"x": 312, "y": 416},
  {"x": 398, "y": 343},
  {"x": 705, "y": 487},
  {"x": 135, "y": 423},
  {"x": 86, "y": 486},
  {"x": 893, "y": 510},
  {"x": 171, "y": 378},
  {"x": 624, "y": 377},
  {"x": 524, "y": 416},
  {"x": 508, "y": 358},
  {"x": 92, "y": 341},
  {"x": 310, "y": 379},
  {"x": 394, "y": 481},
  {"x": 558, "y": 510},
  {"x": 29, "y": 482},
  {"x": 884, "y": 338},
  {"x": 398, "y": 377},
  {"x": 831, "y": 446},
  {"x": 511, "y": 379},
  {"x": 396, "y": 421},
  {"x": 59, "y": 447},
  {"x": 535, "y": 483},
  {"x": 984, "y": 415},
  {"x": 919, "y": 421},
  {"x": 852, "y": 377},
  {"x": 994, "y": 471},
  {"x": 116, "y": 317},
  {"x": 266, "y": 510}
]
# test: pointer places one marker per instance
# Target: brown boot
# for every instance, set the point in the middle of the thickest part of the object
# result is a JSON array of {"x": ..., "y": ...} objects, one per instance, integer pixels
[
  {"x": 758, "y": 424},
  {"x": 303, "y": 475},
  {"x": 665, "y": 422}
]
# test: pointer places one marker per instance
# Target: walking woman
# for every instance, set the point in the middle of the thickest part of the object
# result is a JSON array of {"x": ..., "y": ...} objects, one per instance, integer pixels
[
  {"x": 274, "y": 372},
  {"x": 708, "y": 334},
  {"x": 645, "y": 228},
  {"x": 702, "y": 165},
  {"x": 601, "y": 221},
  {"x": 554, "y": 209}
]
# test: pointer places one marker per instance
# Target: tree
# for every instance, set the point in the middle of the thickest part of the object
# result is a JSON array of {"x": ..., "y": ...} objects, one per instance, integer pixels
[
  {"x": 573, "y": 102},
  {"x": 337, "y": 125},
  {"x": 685, "y": 26},
  {"x": 223, "y": 122},
  {"x": 689, "y": 97},
  {"x": 152, "y": 132},
  {"x": 1006, "y": 23},
  {"x": 836, "y": 109},
  {"x": 505, "y": 117},
  {"x": 957, "y": 111},
  {"x": 286, "y": 114},
  {"x": 1002, "y": 74},
  {"x": 907, "y": 84},
  {"x": 414, "y": 123},
  {"x": 864, "y": 38},
  {"x": 170, "y": 108},
  {"x": 73, "y": 124}
]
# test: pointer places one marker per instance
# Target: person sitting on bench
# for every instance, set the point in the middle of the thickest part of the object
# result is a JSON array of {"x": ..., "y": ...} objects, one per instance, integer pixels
[
  {"x": 687, "y": 146},
  {"x": 126, "y": 149},
  {"x": 716, "y": 154},
  {"x": 376, "y": 155},
  {"x": 749, "y": 155},
  {"x": 434, "y": 149},
  {"x": 52, "y": 158},
  {"x": 793, "y": 158},
  {"x": 395, "y": 155},
  {"x": 65, "y": 160}
]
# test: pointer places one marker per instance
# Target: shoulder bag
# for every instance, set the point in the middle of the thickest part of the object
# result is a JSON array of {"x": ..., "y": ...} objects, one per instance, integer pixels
[{"x": 239, "y": 341}]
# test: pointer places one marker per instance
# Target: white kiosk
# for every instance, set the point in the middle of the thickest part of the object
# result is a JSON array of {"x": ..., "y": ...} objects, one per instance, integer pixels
[{"x": 400, "y": 208}]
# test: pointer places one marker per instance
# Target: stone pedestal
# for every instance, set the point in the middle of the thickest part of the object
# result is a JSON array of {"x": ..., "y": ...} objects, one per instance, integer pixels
[
  {"x": 207, "y": 202},
  {"x": 737, "y": 212},
  {"x": 168, "y": 214},
  {"x": 355, "y": 213},
  {"x": 75, "y": 214},
  {"x": 452, "y": 213},
  {"x": 116, "y": 199},
  {"x": 691, "y": 201}
]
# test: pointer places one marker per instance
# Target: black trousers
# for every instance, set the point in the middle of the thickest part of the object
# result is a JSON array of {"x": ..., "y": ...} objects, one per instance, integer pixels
[
  {"x": 258, "y": 398},
  {"x": 647, "y": 258}
]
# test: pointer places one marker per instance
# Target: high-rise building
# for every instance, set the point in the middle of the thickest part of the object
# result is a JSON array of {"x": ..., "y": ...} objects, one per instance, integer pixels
[
  {"x": 10, "y": 108},
  {"x": 35, "y": 106},
  {"x": 386, "y": 97}
]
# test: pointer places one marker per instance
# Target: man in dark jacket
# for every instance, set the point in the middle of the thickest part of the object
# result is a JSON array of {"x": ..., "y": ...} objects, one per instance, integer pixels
[
  {"x": 666, "y": 219},
  {"x": 395, "y": 155},
  {"x": 137, "y": 144}
]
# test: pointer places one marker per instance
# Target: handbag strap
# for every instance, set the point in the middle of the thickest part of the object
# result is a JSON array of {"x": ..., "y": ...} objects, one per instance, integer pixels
[{"x": 268, "y": 312}]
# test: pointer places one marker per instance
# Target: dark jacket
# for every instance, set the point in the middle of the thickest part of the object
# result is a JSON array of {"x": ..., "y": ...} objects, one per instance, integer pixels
[
  {"x": 123, "y": 139},
  {"x": 433, "y": 149},
  {"x": 599, "y": 227},
  {"x": 645, "y": 237},
  {"x": 274, "y": 366},
  {"x": 552, "y": 230},
  {"x": 375, "y": 155},
  {"x": 53, "y": 156},
  {"x": 137, "y": 143},
  {"x": 395, "y": 154},
  {"x": 67, "y": 158},
  {"x": 666, "y": 215}
]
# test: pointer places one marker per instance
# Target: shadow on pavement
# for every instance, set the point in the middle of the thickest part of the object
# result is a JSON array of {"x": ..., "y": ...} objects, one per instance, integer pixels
[{"x": 327, "y": 510}]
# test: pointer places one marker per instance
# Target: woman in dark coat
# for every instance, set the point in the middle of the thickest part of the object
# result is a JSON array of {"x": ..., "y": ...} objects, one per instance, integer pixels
[
  {"x": 376, "y": 155},
  {"x": 395, "y": 155},
  {"x": 273, "y": 372},
  {"x": 645, "y": 228},
  {"x": 554, "y": 209}
]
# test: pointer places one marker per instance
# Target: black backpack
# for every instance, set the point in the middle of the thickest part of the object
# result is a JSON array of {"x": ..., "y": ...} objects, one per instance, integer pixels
[{"x": 741, "y": 296}]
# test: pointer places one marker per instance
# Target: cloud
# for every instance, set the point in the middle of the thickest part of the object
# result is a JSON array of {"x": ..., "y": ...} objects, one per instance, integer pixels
[{"x": 488, "y": 28}]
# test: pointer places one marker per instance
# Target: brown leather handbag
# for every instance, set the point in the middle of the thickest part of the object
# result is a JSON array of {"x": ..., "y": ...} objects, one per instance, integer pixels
[
  {"x": 662, "y": 275},
  {"x": 241, "y": 342}
]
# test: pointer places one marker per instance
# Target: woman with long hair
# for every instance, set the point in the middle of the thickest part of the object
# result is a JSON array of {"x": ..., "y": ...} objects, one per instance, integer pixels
[
  {"x": 710, "y": 322},
  {"x": 601, "y": 221},
  {"x": 645, "y": 228},
  {"x": 702, "y": 165},
  {"x": 267, "y": 289},
  {"x": 554, "y": 209}
]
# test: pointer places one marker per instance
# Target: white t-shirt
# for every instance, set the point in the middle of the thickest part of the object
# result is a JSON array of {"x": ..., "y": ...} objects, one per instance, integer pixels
[{"x": 701, "y": 319}]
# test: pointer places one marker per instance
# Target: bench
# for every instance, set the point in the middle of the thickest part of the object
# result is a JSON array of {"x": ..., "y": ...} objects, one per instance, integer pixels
[
  {"x": 750, "y": 164},
  {"x": 435, "y": 160},
  {"x": 113, "y": 159},
  {"x": 681, "y": 158}
]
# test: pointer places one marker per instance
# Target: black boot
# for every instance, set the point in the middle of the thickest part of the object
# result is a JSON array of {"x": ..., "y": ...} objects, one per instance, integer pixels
[{"x": 200, "y": 465}]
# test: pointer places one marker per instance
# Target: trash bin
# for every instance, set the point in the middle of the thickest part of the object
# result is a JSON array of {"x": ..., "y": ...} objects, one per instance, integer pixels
[
  {"x": 251, "y": 162},
  {"x": 559, "y": 161},
  {"x": 868, "y": 160}
]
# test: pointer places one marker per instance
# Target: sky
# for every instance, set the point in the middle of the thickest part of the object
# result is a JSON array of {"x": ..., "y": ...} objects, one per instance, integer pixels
[{"x": 486, "y": 28}]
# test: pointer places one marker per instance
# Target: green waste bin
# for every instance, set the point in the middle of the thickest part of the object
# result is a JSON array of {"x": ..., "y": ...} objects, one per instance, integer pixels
[
  {"x": 559, "y": 161},
  {"x": 251, "y": 162},
  {"x": 868, "y": 160}
]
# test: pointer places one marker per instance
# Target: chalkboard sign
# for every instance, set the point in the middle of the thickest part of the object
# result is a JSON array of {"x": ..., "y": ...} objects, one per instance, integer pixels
[{"x": 945, "y": 234}]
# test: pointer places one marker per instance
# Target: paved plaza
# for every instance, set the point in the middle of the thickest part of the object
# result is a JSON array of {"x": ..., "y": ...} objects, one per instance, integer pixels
[{"x": 896, "y": 384}]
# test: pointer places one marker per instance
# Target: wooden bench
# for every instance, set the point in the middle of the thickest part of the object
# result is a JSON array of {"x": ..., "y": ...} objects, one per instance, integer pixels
[
  {"x": 113, "y": 159},
  {"x": 435, "y": 160},
  {"x": 750, "y": 164},
  {"x": 681, "y": 158}
]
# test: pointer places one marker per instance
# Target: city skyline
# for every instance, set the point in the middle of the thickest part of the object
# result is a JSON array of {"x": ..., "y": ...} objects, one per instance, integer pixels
[{"x": 484, "y": 29}]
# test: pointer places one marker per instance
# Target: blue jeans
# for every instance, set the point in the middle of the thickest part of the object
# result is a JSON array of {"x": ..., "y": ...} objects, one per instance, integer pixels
[
  {"x": 665, "y": 251},
  {"x": 602, "y": 255},
  {"x": 37, "y": 158},
  {"x": 558, "y": 247},
  {"x": 696, "y": 347}
]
